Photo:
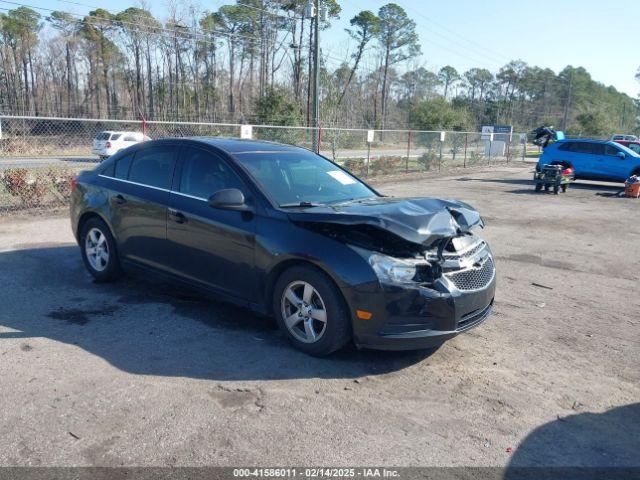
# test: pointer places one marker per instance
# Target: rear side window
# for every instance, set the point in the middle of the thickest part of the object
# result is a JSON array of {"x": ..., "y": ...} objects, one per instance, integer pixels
[
  {"x": 567, "y": 147},
  {"x": 597, "y": 148},
  {"x": 122, "y": 166},
  {"x": 130, "y": 138},
  {"x": 203, "y": 174},
  {"x": 153, "y": 166}
]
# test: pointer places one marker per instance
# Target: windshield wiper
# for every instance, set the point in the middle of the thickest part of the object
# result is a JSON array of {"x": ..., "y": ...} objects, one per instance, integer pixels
[{"x": 301, "y": 205}]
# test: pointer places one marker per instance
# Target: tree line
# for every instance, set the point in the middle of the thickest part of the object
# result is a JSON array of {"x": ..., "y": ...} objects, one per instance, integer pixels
[{"x": 251, "y": 61}]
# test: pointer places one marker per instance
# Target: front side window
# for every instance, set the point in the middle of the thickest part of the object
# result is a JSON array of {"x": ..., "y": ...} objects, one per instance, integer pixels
[
  {"x": 610, "y": 150},
  {"x": 292, "y": 177},
  {"x": 153, "y": 166},
  {"x": 203, "y": 174}
]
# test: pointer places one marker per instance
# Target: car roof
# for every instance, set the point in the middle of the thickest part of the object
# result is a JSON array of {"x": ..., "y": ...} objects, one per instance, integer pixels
[
  {"x": 232, "y": 145},
  {"x": 584, "y": 140}
]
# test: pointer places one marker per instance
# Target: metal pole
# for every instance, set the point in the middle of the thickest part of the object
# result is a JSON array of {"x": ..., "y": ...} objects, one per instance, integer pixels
[
  {"x": 316, "y": 55},
  {"x": 406, "y": 165},
  {"x": 368, "y": 156},
  {"x": 466, "y": 139}
]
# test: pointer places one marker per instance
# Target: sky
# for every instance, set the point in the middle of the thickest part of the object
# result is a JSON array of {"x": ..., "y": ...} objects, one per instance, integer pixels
[{"x": 600, "y": 36}]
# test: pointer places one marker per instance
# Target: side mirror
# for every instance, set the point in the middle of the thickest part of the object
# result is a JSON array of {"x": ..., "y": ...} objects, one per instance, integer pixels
[
  {"x": 621, "y": 155},
  {"x": 229, "y": 199}
]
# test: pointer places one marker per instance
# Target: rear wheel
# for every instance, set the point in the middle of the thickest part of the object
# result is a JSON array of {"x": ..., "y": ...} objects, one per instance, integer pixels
[
  {"x": 99, "y": 252},
  {"x": 311, "y": 311},
  {"x": 538, "y": 187},
  {"x": 556, "y": 189},
  {"x": 564, "y": 188}
]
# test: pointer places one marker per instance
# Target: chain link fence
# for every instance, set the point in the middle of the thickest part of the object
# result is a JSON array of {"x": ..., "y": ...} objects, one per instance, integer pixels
[{"x": 39, "y": 156}]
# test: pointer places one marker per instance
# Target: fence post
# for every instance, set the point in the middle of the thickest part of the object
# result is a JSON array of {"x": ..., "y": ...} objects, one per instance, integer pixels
[
  {"x": 406, "y": 165},
  {"x": 319, "y": 142},
  {"x": 466, "y": 139},
  {"x": 490, "y": 147}
]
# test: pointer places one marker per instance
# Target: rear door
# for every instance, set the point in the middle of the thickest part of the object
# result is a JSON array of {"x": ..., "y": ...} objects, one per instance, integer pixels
[
  {"x": 577, "y": 154},
  {"x": 207, "y": 245},
  {"x": 585, "y": 157},
  {"x": 139, "y": 200}
]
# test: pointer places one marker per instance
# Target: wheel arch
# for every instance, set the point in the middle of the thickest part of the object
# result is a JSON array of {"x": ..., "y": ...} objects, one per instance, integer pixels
[
  {"x": 85, "y": 217},
  {"x": 278, "y": 269}
]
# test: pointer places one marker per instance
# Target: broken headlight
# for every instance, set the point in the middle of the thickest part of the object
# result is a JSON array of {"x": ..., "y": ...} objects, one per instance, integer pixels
[{"x": 392, "y": 270}]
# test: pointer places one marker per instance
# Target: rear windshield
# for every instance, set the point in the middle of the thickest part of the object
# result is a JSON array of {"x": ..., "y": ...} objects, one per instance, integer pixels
[{"x": 103, "y": 136}]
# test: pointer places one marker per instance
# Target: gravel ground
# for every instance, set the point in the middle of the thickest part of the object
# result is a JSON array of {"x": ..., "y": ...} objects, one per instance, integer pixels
[{"x": 143, "y": 373}]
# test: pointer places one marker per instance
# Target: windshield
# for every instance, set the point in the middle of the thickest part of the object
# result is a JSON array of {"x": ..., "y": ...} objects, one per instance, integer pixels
[{"x": 302, "y": 178}]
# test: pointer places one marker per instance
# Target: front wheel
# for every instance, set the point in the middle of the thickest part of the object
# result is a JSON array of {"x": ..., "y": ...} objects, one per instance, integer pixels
[
  {"x": 99, "y": 252},
  {"x": 311, "y": 311}
]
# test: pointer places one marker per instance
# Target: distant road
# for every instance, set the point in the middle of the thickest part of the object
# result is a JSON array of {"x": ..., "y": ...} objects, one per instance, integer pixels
[{"x": 26, "y": 162}]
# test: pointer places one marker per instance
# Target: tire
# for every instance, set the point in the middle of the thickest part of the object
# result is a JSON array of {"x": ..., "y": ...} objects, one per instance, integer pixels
[
  {"x": 96, "y": 237},
  {"x": 564, "y": 189},
  {"x": 556, "y": 189},
  {"x": 538, "y": 187},
  {"x": 305, "y": 322}
]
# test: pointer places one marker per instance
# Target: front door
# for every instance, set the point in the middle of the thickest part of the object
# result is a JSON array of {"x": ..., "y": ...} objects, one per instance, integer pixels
[
  {"x": 210, "y": 246},
  {"x": 611, "y": 166}
]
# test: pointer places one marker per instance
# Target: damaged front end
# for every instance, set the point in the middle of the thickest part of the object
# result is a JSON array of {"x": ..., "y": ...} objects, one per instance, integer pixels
[
  {"x": 408, "y": 241},
  {"x": 435, "y": 277}
]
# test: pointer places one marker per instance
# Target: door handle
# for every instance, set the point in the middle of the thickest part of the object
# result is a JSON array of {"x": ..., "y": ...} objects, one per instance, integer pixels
[
  {"x": 119, "y": 199},
  {"x": 177, "y": 216}
]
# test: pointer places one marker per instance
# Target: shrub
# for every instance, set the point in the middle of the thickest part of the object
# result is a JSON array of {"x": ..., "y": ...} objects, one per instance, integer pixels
[
  {"x": 428, "y": 160},
  {"x": 60, "y": 180},
  {"x": 28, "y": 188},
  {"x": 356, "y": 166},
  {"x": 474, "y": 158},
  {"x": 384, "y": 165}
]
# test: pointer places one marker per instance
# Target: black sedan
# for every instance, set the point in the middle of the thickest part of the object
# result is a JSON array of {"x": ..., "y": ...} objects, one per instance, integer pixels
[{"x": 288, "y": 233}]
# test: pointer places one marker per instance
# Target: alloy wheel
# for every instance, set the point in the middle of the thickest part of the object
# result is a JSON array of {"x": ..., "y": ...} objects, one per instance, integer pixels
[
  {"x": 96, "y": 248},
  {"x": 304, "y": 312}
]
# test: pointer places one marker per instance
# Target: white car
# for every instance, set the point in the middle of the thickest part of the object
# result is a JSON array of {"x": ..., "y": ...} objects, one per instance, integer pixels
[
  {"x": 107, "y": 143},
  {"x": 624, "y": 138}
]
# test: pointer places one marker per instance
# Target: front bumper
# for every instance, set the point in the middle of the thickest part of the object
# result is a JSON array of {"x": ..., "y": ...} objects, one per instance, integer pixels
[{"x": 415, "y": 317}]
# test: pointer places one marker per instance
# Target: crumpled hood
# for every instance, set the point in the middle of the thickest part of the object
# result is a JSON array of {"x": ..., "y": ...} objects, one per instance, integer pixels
[{"x": 417, "y": 220}]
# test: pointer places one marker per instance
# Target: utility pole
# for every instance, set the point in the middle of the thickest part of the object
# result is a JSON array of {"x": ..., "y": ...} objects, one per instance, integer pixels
[
  {"x": 568, "y": 102},
  {"x": 316, "y": 74}
]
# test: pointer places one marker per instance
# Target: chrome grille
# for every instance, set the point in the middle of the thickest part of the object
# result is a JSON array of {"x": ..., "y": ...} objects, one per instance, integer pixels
[
  {"x": 473, "y": 278},
  {"x": 466, "y": 254}
]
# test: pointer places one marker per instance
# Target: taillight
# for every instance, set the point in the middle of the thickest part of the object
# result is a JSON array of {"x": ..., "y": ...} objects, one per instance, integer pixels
[
  {"x": 108, "y": 145},
  {"x": 567, "y": 171},
  {"x": 73, "y": 183}
]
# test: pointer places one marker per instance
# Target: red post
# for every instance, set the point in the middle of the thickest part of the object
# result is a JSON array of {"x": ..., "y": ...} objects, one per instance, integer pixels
[{"x": 319, "y": 138}]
